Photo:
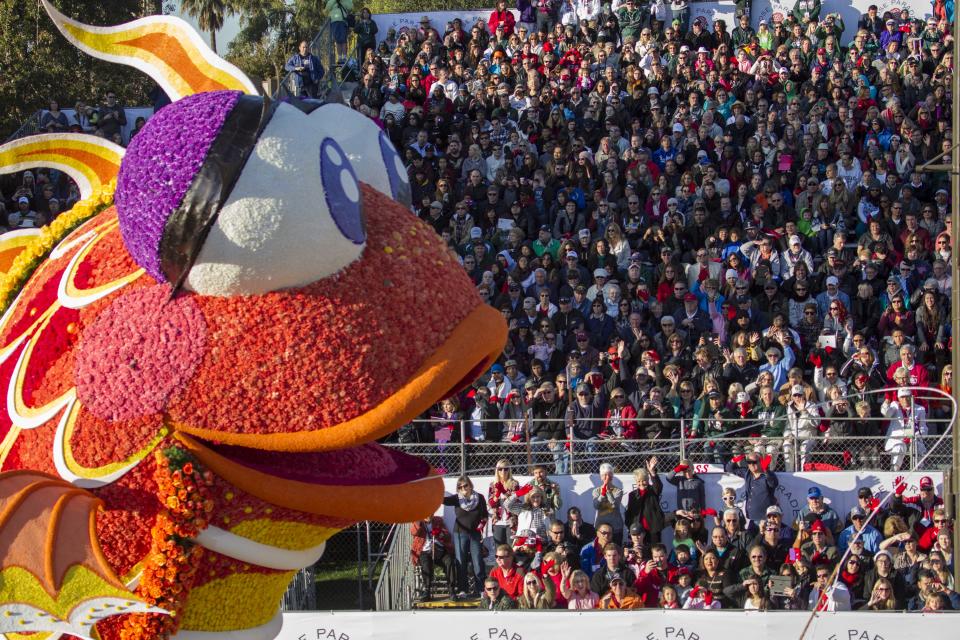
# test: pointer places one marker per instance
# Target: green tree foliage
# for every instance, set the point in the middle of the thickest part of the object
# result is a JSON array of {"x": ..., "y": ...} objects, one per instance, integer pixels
[
  {"x": 38, "y": 64},
  {"x": 209, "y": 15}
]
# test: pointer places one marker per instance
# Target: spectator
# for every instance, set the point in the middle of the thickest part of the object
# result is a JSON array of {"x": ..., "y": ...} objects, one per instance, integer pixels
[
  {"x": 866, "y": 532},
  {"x": 643, "y": 503},
  {"x": 306, "y": 70},
  {"x": 432, "y": 545},
  {"x": 760, "y": 486},
  {"x": 111, "y": 117},
  {"x": 620, "y": 596},
  {"x": 818, "y": 510},
  {"x": 339, "y": 13},
  {"x": 495, "y": 598},
  {"x": 471, "y": 518},
  {"x": 506, "y": 572}
]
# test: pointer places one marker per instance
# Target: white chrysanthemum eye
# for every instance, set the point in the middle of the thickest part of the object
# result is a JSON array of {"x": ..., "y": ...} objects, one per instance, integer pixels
[
  {"x": 368, "y": 147},
  {"x": 294, "y": 216}
]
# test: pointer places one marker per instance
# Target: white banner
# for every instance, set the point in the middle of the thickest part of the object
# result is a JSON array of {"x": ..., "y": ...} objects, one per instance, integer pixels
[
  {"x": 839, "y": 490},
  {"x": 650, "y": 624}
]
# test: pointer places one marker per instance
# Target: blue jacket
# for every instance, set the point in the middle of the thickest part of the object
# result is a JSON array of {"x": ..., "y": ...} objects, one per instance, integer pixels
[
  {"x": 760, "y": 492},
  {"x": 870, "y": 536}
]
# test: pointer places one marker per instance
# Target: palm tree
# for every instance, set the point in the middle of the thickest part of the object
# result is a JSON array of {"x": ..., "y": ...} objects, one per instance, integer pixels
[{"x": 209, "y": 15}]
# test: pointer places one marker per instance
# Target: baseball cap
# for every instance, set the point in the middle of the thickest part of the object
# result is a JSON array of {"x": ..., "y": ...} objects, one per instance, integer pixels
[
  {"x": 742, "y": 397},
  {"x": 600, "y": 273},
  {"x": 857, "y": 511},
  {"x": 814, "y": 492},
  {"x": 832, "y": 280},
  {"x": 794, "y": 239},
  {"x": 636, "y": 529},
  {"x": 584, "y": 233},
  {"x": 572, "y": 254},
  {"x": 23, "y": 200},
  {"x": 797, "y": 390},
  {"x": 677, "y": 127},
  {"x": 475, "y": 232},
  {"x": 616, "y": 577},
  {"x": 823, "y": 146},
  {"x": 497, "y": 368},
  {"x": 689, "y": 297},
  {"x": 926, "y": 482},
  {"x": 903, "y": 393},
  {"x": 774, "y": 509},
  {"x": 731, "y": 273},
  {"x": 817, "y": 524}
]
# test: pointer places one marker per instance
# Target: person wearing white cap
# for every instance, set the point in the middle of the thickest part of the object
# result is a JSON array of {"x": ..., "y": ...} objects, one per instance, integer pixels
[
  {"x": 908, "y": 420},
  {"x": 795, "y": 253},
  {"x": 829, "y": 296}
]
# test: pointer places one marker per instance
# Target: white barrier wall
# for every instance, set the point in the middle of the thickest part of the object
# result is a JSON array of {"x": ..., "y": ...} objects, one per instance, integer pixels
[
  {"x": 710, "y": 10},
  {"x": 839, "y": 489},
  {"x": 653, "y": 624}
]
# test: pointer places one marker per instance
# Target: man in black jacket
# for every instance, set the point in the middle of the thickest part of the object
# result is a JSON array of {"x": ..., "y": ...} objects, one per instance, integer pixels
[{"x": 547, "y": 428}]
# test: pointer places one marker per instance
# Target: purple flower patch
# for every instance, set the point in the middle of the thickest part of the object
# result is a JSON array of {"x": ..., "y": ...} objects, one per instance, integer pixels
[{"x": 159, "y": 167}]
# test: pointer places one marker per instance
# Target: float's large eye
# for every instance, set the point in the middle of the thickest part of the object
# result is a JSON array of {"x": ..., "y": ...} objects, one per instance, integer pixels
[
  {"x": 294, "y": 216},
  {"x": 342, "y": 191},
  {"x": 373, "y": 155}
]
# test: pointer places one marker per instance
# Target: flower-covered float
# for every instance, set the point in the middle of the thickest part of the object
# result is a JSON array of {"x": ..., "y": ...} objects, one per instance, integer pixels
[{"x": 198, "y": 357}]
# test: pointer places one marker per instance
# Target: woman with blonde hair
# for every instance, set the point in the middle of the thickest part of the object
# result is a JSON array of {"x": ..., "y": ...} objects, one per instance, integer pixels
[
  {"x": 618, "y": 245},
  {"x": 502, "y": 487},
  {"x": 537, "y": 593},
  {"x": 532, "y": 512},
  {"x": 881, "y": 598},
  {"x": 578, "y": 594}
]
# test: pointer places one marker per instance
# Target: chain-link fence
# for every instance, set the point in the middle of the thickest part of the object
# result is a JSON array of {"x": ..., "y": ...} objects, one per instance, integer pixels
[{"x": 919, "y": 446}]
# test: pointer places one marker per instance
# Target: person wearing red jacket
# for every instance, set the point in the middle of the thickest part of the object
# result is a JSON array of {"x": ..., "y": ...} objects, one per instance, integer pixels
[
  {"x": 507, "y": 574},
  {"x": 621, "y": 418},
  {"x": 928, "y": 538},
  {"x": 501, "y": 16},
  {"x": 917, "y": 373}
]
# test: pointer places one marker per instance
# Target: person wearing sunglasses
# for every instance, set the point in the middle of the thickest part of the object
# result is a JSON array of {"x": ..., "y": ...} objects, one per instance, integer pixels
[{"x": 494, "y": 598}]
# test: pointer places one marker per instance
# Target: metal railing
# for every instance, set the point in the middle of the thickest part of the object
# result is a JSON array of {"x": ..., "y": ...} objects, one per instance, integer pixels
[
  {"x": 29, "y": 127},
  {"x": 301, "y": 594},
  {"x": 395, "y": 587},
  {"x": 822, "y": 452}
]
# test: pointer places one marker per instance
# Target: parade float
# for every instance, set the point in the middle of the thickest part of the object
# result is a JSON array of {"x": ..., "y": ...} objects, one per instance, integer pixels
[{"x": 198, "y": 357}]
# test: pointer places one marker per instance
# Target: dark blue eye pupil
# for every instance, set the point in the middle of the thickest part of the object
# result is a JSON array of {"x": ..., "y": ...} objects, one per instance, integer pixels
[
  {"x": 396, "y": 172},
  {"x": 341, "y": 189}
]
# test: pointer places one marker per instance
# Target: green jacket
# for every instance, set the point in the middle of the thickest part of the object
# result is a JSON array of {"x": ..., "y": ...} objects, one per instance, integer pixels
[
  {"x": 773, "y": 419},
  {"x": 631, "y": 22},
  {"x": 502, "y": 603},
  {"x": 334, "y": 11},
  {"x": 805, "y": 9}
]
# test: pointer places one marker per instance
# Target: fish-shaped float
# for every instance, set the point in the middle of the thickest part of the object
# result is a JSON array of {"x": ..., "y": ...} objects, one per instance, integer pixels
[{"x": 197, "y": 359}]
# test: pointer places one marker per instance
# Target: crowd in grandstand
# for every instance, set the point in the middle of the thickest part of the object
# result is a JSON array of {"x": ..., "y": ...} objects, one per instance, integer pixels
[
  {"x": 34, "y": 198},
  {"x": 707, "y": 554},
  {"x": 694, "y": 227},
  {"x": 686, "y": 224}
]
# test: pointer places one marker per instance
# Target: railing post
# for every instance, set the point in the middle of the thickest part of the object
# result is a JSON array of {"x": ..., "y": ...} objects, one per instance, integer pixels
[
  {"x": 463, "y": 447},
  {"x": 683, "y": 438}
]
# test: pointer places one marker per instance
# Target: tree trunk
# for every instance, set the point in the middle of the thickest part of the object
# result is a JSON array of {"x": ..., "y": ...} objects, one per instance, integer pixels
[{"x": 213, "y": 40}]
